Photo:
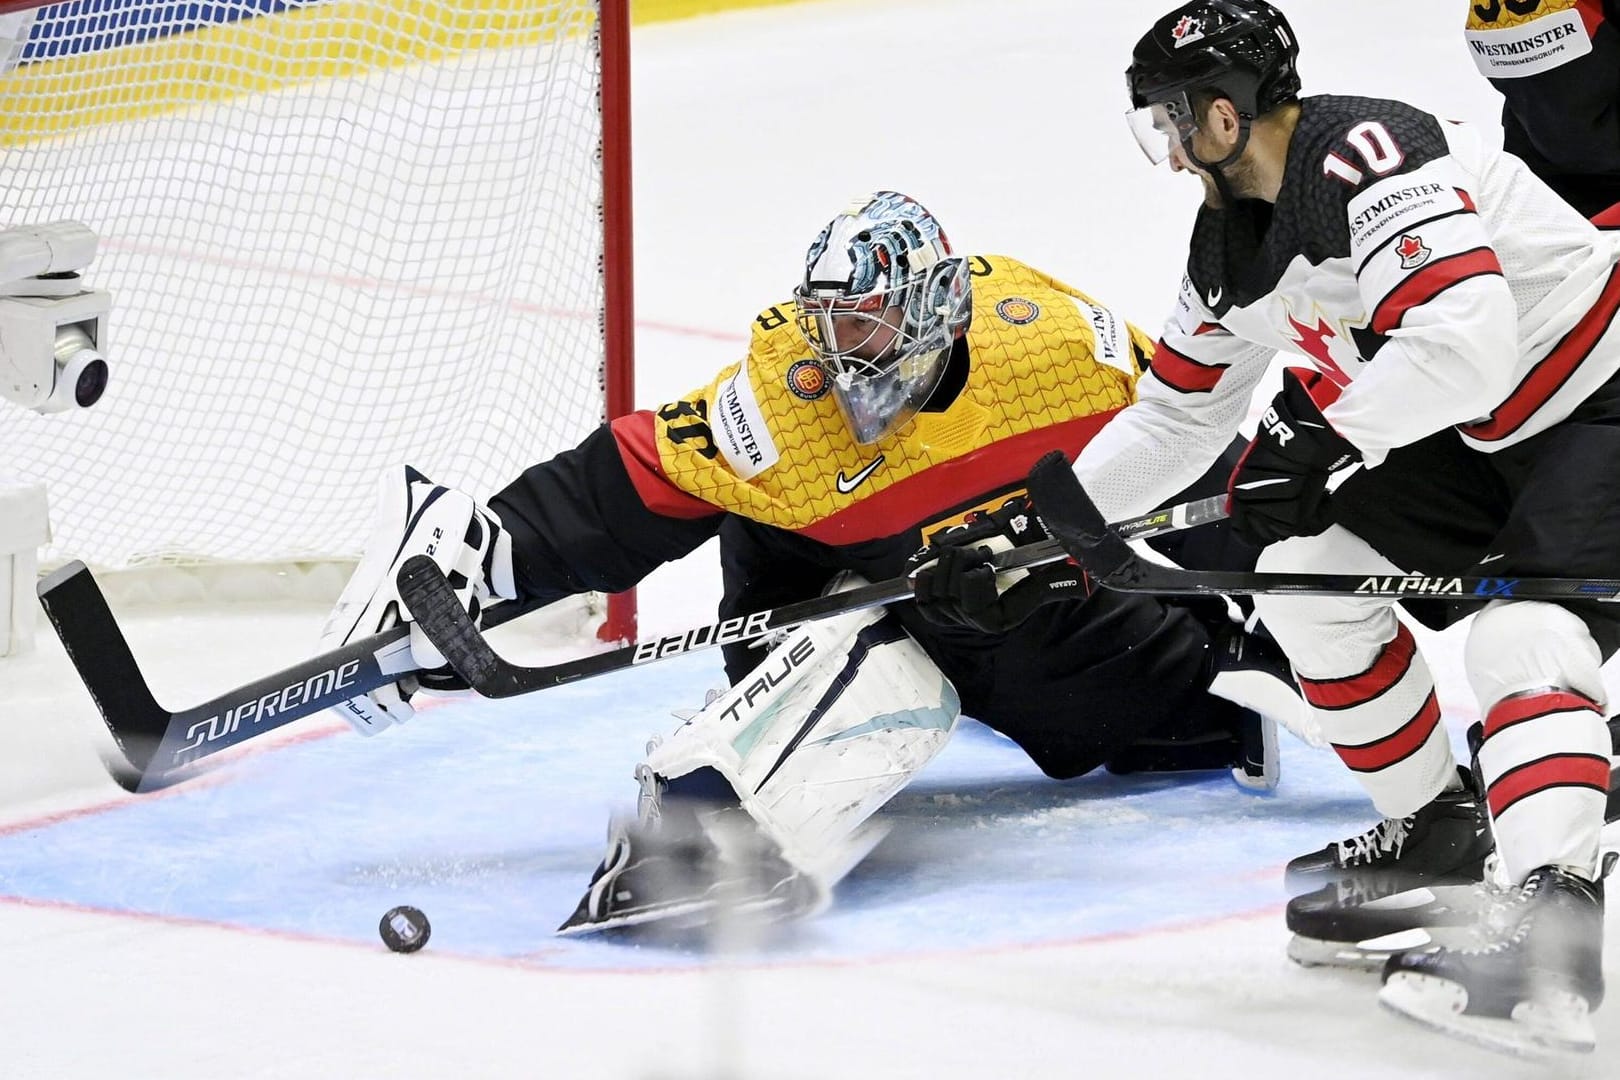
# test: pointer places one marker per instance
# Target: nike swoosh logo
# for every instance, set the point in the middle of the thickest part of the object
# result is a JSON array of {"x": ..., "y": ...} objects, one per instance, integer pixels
[
  {"x": 1252, "y": 484},
  {"x": 1492, "y": 558},
  {"x": 1215, "y": 296},
  {"x": 847, "y": 484}
]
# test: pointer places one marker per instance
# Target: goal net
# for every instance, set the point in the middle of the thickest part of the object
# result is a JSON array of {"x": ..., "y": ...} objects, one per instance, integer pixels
[{"x": 340, "y": 235}]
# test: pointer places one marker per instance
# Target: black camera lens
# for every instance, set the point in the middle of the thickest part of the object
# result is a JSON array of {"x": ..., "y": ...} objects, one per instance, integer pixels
[{"x": 91, "y": 384}]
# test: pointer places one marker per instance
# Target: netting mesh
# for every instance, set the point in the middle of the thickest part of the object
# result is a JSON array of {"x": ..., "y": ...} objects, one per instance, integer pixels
[{"x": 339, "y": 236}]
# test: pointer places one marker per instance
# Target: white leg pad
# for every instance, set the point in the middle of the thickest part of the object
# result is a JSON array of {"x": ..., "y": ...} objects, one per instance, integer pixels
[{"x": 836, "y": 720}]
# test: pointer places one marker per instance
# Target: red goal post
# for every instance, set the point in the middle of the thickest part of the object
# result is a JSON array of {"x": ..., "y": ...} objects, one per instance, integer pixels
[{"x": 340, "y": 235}]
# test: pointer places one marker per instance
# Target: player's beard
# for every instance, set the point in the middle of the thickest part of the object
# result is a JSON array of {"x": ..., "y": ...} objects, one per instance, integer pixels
[
  {"x": 1240, "y": 181},
  {"x": 1242, "y": 177}
]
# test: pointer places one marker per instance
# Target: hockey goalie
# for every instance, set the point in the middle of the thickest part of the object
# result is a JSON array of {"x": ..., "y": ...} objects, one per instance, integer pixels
[{"x": 881, "y": 423}]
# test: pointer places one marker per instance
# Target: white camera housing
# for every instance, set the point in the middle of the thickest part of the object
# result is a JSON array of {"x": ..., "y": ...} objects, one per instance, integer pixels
[{"x": 52, "y": 328}]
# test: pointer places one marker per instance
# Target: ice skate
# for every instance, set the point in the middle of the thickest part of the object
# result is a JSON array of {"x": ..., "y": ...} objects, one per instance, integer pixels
[
  {"x": 1443, "y": 843},
  {"x": 1531, "y": 984},
  {"x": 1356, "y": 924}
]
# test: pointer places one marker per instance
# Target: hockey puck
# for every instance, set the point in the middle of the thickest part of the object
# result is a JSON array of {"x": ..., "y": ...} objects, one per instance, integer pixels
[{"x": 404, "y": 929}]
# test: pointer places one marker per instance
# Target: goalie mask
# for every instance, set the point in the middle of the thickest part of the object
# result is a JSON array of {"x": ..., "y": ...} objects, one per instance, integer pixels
[{"x": 881, "y": 305}]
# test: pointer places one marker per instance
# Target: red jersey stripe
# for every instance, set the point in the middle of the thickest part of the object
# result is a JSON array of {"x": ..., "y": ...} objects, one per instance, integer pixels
[
  {"x": 1393, "y": 661},
  {"x": 638, "y": 448},
  {"x": 1552, "y": 370},
  {"x": 1393, "y": 749},
  {"x": 1419, "y": 288},
  {"x": 1608, "y": 219},
  {"x": 1591, "y": 14},
  {"x": 1556, "y": 771},
  {"x": 902, "y": 505},
  {"x": 1515, "y": 710},
  {"x": 1184, "y": 373}
]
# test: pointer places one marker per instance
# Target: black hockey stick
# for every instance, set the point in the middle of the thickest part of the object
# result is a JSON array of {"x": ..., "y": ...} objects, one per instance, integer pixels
[
  {"x": 435, "y": 608},
  {"x": 156, "y": 747},
  {"x": 1071, "y": 517}
]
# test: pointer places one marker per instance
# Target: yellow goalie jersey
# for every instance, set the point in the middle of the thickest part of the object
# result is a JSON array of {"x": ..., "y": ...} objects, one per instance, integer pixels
[{"x": 1046, "y": 367}]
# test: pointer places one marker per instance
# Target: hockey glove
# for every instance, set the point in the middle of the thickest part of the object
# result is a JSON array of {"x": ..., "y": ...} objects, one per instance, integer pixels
[
  {"x": 416, "y": 516},
  {"x": 1279, "y": 488},
  {"x": 955, "y": 586}
]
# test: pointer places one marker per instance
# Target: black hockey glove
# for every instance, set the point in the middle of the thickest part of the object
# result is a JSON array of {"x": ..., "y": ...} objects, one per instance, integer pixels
[
  {"x": 956, "y": 586},
  {"x": 1279, "y": 488}
]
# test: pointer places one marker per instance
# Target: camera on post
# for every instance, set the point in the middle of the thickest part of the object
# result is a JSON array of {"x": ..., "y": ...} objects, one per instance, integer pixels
[{"x": 52, "y": 328}]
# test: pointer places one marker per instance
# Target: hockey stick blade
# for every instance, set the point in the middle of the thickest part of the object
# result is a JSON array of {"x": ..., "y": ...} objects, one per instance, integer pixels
[
  {"x": 435, "y": 608},
  {"x": 157, "y": 748},
  {"x": 1071, "y": 517}
]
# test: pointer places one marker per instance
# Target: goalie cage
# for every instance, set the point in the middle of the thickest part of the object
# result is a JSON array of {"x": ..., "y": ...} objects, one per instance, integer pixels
[{"x": 340, "y": 235}]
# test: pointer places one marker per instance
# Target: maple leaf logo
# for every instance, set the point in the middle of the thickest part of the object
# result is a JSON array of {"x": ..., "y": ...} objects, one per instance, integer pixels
[
  {"x": 1315, "y": 342},
  {"x": 1413, "y": 252},
  {"x": 1186, "y": 31}
]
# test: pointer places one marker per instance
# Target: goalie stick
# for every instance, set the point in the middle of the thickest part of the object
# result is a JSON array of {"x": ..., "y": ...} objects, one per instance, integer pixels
[
  {"x": 1074, "y": 520},
  {"x": 155, "y": 747},
  {"x": 434, "y": 607}
]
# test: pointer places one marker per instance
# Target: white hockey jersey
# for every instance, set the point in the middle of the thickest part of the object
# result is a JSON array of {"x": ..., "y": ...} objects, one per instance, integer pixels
[{"x": 1425, "y": 272}]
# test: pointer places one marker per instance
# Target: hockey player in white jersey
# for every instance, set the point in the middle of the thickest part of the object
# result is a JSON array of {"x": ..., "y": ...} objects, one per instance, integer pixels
[{"x": 1454, "y": 324}]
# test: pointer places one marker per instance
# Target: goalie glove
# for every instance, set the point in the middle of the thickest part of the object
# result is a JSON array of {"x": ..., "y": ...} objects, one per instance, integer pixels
[
  {"x": 955, "y": 585},
  {"x": 418, "y": 517}
]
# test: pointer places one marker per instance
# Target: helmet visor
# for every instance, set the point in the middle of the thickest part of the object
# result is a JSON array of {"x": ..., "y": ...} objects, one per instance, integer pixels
[{"x": 1162, "y": 126}]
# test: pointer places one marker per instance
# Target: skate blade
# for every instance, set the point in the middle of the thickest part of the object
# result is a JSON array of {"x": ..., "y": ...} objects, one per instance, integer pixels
[
  {"x": 1444, "y": 916},
  {"x": 580, "y": 924},
  {"x": 1348, "y": 955},
  {"x": 694, "y": 914},
  {"x": 1550, "y": 1026},
  {"x": 1370, "y": 954}
]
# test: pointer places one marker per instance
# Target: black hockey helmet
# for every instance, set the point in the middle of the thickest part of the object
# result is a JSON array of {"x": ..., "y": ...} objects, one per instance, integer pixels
[{"x": 1243, "y": 49}]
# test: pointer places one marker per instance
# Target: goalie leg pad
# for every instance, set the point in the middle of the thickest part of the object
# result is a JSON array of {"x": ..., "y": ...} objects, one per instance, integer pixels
[{"x": 836, "y": 720}]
